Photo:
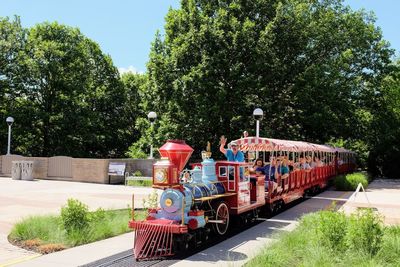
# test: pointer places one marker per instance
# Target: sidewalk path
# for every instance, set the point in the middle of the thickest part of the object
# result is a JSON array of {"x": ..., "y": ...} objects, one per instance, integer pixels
[
  {"x": 384, "y": 195},
  {"x": 19, "y": 199}
]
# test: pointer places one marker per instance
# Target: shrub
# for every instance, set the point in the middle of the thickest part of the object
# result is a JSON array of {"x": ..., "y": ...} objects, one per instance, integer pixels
[
  {"x": 75, "y": 216},
  {"x": 332, "y": 229},
  {"x": 349, "y": 182},
  {"x": 98, "y": 215},
  {"x": 390, "y": 248},
  {"x": 364, "y": 232},
  {"x": 137, "y": 173}
]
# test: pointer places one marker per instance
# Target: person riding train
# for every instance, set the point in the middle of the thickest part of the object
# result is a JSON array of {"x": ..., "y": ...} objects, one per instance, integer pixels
[{"x": 233, "y": 153}]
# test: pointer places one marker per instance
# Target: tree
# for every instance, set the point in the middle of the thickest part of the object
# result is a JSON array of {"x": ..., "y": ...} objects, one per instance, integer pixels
[
  {"x": 72, "y": 101},
  {"x": 384, "y": 133},
  {"x": 134, "y": 84},
  {"x": 304, "y": 63},
  {"x": 12, "y": 44}
]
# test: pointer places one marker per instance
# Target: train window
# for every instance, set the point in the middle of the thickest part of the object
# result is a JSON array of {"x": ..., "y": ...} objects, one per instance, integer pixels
[
  {"x": 222, "y": 171},
  {"x": 231, "y": 171},
  {"x": 231, "y": 181}
]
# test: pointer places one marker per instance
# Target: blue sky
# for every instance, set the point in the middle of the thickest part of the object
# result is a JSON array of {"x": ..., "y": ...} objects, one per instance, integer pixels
[{"x": 125, "y": 28}]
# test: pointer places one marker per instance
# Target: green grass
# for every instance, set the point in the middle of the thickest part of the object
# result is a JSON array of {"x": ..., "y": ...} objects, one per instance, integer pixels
[
  {"x": 349, "y": 182},
  {"x": 146, "y": 183},
  {"x": 330, "y": 238},
  {"x": 50, "y": 230}
]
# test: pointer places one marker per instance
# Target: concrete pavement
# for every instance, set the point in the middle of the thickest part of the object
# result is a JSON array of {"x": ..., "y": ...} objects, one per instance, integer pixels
[{"x": 383, "y": 195}]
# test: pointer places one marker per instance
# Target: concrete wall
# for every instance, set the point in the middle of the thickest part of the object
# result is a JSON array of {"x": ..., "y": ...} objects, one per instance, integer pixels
[
  {"x": 83, "y": 169},
  {"x": 6, "y": 163},
  {"x": 40, "y": 166},
  {"x": 90, "y": 170}
]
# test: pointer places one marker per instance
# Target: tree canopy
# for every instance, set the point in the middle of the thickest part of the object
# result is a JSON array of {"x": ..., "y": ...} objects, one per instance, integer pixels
[
  {"x": 320, "y": 71},
  {"x": 310, "y": 65},
  {"x": 68, "y": 98}
]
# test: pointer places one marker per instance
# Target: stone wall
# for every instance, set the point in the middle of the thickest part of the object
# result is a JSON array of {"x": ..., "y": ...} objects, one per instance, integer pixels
[
  {"x": 93, "y": 170},
  {"x": 83, "y": 169}
]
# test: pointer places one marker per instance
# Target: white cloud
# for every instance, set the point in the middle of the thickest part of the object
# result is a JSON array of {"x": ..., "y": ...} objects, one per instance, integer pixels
[{"x": 129, "y": 69}]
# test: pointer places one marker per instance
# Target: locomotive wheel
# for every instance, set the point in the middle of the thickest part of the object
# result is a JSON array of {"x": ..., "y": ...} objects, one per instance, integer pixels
[{"x": 221, "y": 213}]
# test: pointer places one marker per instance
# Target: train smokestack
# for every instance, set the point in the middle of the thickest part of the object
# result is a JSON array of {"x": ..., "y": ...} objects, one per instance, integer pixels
[{"x": 177, "y": 151}]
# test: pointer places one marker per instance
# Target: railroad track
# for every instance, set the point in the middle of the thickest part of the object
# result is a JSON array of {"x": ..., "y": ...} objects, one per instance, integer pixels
[{"x": 126, "y": 259}]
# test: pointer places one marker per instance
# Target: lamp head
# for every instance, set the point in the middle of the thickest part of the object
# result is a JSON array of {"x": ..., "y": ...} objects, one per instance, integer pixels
[
  {"x": 258, "y": 113},
  {"x": 10, "y": 121},
  {"x": 152, "y": 116}
]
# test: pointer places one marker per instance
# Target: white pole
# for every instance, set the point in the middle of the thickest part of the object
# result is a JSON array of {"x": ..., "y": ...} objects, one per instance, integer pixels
[
  {"x": 257, "y": 135},
  {"x": 9, "y": 140},
  {"x": 151, "y": 145}
]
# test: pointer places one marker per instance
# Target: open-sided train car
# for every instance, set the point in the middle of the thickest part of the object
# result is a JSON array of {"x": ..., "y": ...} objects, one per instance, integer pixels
[
  {"x": 299, "y": 181},
  {"x": 204, "y": 200}
]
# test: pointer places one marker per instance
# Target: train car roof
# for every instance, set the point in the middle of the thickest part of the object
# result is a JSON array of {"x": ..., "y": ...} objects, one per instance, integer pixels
[{"x": 253, "y": 143}]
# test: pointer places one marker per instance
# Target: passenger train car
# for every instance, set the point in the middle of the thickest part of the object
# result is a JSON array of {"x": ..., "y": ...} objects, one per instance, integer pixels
[{"x": 204, "y": 200}]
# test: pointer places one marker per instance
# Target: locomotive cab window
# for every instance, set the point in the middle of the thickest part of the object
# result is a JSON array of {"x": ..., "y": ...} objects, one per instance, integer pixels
[
  {"x": 222, "y": 171},
  {"x": 231, "y": 171},
  {"x": 231, "y": 179}
]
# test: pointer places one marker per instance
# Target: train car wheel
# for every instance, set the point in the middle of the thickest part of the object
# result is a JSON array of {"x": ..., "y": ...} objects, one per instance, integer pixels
[{"x": 221, "y": 214}]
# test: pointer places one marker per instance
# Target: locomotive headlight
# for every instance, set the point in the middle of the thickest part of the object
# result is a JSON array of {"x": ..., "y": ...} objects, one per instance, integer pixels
[
  {"x": 168, "y": 202},
  {"x": 160, "y": 175}
]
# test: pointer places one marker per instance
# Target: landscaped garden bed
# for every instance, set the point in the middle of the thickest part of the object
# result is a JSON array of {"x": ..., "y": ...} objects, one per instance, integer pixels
[
  {"x": 329, "y": 238},
  {"x": 74, "y": 226}
]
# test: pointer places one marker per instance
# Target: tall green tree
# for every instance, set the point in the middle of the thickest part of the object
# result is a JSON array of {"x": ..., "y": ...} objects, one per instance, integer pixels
[
  {"x": 72, "y": 99},
  {"x": 305, "y": 63},
  {"x": 12, "y": 73},
  {"x": 384, "y": 132}
]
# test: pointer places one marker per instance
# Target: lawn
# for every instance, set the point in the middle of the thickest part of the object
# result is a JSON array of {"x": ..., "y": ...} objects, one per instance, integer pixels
[{"x": 329, "y": 238}]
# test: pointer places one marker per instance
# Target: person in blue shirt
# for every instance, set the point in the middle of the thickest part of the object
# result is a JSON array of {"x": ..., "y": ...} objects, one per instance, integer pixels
[
  {"x": 232, "y": 154},
  {"x": 270, "y": 170}
]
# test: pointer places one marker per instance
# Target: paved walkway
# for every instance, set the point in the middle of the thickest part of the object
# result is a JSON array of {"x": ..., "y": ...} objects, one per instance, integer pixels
[
  {"x": 384, "y": 195},
  {"x": 19, "y": 199},
  {"x": 233, "y": 252}
]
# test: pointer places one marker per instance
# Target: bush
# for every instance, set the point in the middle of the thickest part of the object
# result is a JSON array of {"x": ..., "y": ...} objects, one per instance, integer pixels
[
  {"x": 75, "y": 216},
  {"x": 332, "y": 229},
  {"x": 364, "y": 232},
  {"x": 390, "y": 248},
  {"x": 137, "y": 173},
  {"x": 349, "y": 182}
]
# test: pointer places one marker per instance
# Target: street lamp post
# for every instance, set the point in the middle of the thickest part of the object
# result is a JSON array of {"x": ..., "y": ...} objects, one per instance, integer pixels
[
  {"x": 258, "y": 113},
  {"x": 10, "y": 121},
  {"x": 152, "y": 116}
]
